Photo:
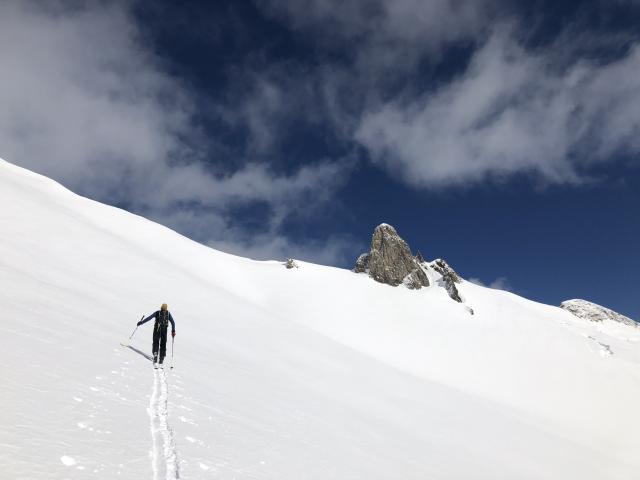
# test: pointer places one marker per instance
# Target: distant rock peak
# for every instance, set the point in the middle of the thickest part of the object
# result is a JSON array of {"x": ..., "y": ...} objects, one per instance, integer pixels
[
  {"x": 594, "y": 312},
  {"x": 390, "y": 261}
]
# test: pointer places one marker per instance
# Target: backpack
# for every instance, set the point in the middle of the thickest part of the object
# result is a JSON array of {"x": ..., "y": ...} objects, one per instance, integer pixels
[{"x": 162, "y": 318}]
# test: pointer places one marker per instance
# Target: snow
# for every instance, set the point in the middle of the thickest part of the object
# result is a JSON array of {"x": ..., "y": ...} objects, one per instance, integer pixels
[
  {"x": 306, "y": 373},
  {"x": 68, "y": 461},
  {"x": 594, "y": 312},
  {"x": 164, "y": 453}
]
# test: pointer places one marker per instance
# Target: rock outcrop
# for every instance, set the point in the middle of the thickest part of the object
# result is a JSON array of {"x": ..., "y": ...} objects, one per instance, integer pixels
[
  {"x": 594, "y": 312},
  {"x": 290, "y": 263},
  {"x": 444, "y": 269},
  {"x": 362, "y": 264},
  {"x": 390, "y": 260},
  {"x": 449, "y": 278}
]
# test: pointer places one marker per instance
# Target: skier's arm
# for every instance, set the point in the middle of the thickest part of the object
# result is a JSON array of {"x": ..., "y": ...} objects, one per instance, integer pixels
[
  {"x": 173, "y": 325},
  {"x": 153, "y": 315}
]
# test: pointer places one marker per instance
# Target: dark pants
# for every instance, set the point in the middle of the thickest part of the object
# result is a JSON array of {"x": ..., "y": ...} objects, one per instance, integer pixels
[{"x": 159, "y": 342}]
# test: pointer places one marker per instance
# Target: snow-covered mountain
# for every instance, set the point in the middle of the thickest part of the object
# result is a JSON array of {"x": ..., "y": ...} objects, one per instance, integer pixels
[
  {"x": 594, "y": 312},
  {"x": 303, "y": 373}
]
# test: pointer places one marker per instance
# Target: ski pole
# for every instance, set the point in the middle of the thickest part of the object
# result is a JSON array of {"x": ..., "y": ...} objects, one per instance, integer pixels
[
  {"x": 172, "y": 340},
  {"x": 134, "y": 330}
]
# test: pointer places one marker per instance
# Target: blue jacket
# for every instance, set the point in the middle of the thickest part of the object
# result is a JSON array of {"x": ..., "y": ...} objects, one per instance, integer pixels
[{"x": 155, "y": 315}]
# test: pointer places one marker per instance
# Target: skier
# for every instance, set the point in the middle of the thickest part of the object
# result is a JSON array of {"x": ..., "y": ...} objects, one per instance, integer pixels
[{"x": 159, "y": 346}]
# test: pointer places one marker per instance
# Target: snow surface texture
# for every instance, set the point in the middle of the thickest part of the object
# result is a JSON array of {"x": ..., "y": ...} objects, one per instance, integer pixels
[
  {"x": 165, "y": 457},
  {"x": 305, "y": 373}
]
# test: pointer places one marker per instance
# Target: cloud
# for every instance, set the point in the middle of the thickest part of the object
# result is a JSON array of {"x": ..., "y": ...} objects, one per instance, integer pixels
[
  {"x": 387, "y": 24},
  {"x": 79, "y": 92},
  {"x": 335, "y": 249},
  {"x": 85, "y": 100},
  {"x": 366, "y": 48},
  {"x": 512, "y": 111},
  {"x": 500, "y": 283},
  {"x": 552, "y": 113}
]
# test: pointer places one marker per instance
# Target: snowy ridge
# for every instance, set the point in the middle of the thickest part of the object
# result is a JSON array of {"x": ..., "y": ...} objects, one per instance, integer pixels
[
  {"x": 311, "y": 372},
  {"x": 594, "y": 312}
]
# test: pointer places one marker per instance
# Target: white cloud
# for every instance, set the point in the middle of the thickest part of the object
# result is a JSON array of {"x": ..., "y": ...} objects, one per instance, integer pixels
[
  {"x": 328, "y": 251},
  {"x": 512, "y": 111},
  {"x": 500, "y": 283},
  {"x": 266, "y": 244},
  {"x": 86, "y": 101},
  {"x": 387, "y": 24},
  {"x": 80, "y": 93},
  {"x": 378, "y": 44}
]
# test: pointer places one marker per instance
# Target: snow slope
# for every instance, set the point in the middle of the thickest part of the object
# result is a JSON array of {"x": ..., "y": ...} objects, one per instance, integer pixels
[{"x": 308, "y": 373}]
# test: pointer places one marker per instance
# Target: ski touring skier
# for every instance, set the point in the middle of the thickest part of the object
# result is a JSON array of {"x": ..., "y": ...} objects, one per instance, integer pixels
[{"x": 159, "y": 346}]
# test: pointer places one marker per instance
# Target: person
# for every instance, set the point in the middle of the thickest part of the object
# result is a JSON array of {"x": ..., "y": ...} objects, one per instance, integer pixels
[{"x": 162, "y": 318}]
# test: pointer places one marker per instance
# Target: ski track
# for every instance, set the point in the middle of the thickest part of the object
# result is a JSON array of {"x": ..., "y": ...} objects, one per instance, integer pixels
[{"x": 164, "y": 457}]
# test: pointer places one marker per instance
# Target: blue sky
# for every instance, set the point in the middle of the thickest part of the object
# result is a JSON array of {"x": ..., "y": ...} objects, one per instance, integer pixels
[{"x": 500, "y": 135}]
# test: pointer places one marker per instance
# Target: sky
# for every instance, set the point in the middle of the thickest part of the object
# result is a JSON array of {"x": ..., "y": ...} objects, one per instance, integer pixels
[{"x": 500, "y": 135}]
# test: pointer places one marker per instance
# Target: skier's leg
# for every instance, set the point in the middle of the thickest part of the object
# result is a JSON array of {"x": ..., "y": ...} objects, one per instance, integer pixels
[
  {"x": 155, "y": 344},
  {"x": 163, "y": 344}
]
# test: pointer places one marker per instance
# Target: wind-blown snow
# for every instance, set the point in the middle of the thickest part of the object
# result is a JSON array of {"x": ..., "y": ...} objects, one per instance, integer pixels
[{"x": 306, "y": 373}]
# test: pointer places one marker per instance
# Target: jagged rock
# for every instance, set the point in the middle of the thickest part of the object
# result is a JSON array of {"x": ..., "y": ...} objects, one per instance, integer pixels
[
  {"x": 419, "y": 257},
  {"x": 416, "y": 279},
  {"x": 452, "y": 290},
  {"x": 449, "y": 278},
  {"x": 390, "y": 260},
  {"x": 290, "y": 263},
  {"x": 362, "y": 264},
  {"x": 443, "y": 268},
  {"x": 594, "y": 312}
]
